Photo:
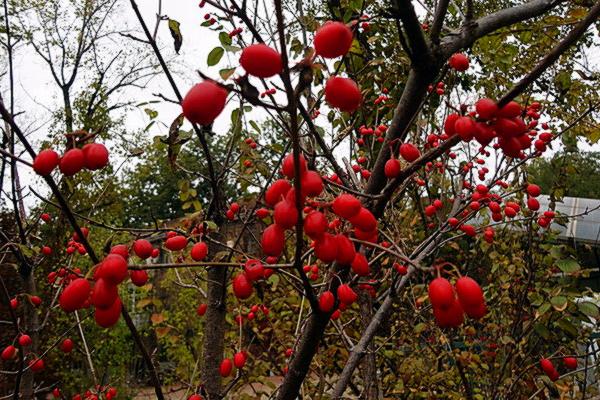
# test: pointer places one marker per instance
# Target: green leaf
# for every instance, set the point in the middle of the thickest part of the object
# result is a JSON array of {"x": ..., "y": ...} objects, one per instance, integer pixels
[
  {"x": 226, "y": 73},
  {"x": 176, "y": 34},
  {"x": 225, "y": 39},
  {"x": 215, "y": 56},
  {"x": 568, "y": 265},
  {"x": 589, "y": 309},
  {"x": 559, "y": 302}
]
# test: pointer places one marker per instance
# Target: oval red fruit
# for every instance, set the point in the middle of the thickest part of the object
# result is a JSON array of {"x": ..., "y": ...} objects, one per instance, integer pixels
[
  {"x": 469, "y": 292},
  {"x": 110, "y": 316},
  {"x": 45, "y": 162},
  {"x": 74, "y": 296},
  {"x": 343, "y": 93},
  {"x": 346, "y": 251},
  {"x": 315, "y": 224},
  {"x": 326, "y": 301},
  {"x": 360, "y": 265},
  {"x": 104, "y": 294},
  {"x": 199, "y": 251},
  {"x": 204, "y": 102},
  {"x": 176, "y": 243},
  {"x": 273, "y": 240},
  {"x": 67, "y": 345},
  {"x": 285, "y": 215},
  {"x": 113, "y": 269},
  {"x": 409, "y": 152},
  {"x": 441, "y": 293},
  {"x": 486, "y": 108},
  {"x": 72, "y": 162},
  {"x": 142, "y": 248},
  {"x": 261, "y": 60},
  {"x": 392, "y": 168},
  {"x": 346, "y": 206},
  {"x": 138, "y": 277},
  {"x": 239, "y": 360},
  {"x": 95, "y": 155},
  {"x": 346, "y": 295},
  {"x": 225, "y": 368},
  {"x": 459, "y": 62},
  {"x": 333, "y": 39},
  {"x": 242, "y": 288},
  {"x": 326, "y": 248}
]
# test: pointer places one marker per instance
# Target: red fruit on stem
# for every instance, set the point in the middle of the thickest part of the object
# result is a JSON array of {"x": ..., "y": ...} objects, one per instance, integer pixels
[
  {"x": 364, "y": 220},
  {"x": 254, "y": 270},
  {"x": 333, "y": 39},
  {"x": 476, "y": 312},
  {"x": 242, "y": 288},
  {"x": 204, "y": 102},
  {"x": 326, "y": 301},
  {"x": 239, "y": 360},
  {"x": 441, "y": 293},
  {"x": 261, "y": 60},
  {"x": 459, "y": 62},
  {"x": 72, "y": 162},
  {"x": 8, "y": 353},
  {"x": 287, "y": 166},
  {"x": 570, "y": 362},
  {"x": 37, "y": 365},
  {"x": 343, "y": 93},
  {"x": 138, "y": 277},
  {"x": 108, "y": 317},
  {"x": 95, "y": 155},
  {"x": 113, "y": 269},
  {"x": 533, "y": 190},
  {"x": 176, "y": 243},
  {"x": 346, "y": 206},
  {"x": 74, "y": 295},
  {"x": 511, "y": 110},
  {"x": 465, "y": 128},
  {"x": 225, "y": 368},
  {"x": 449, "y": 127},
  {"x": 45, "y": 162},
  {"x": 201, "y": 310},
  {"x": 346, "y": 295},
  {"x": 469, "y": 292},
  {"x": 409, "y": 152},
  {"x": 312, "y": 184},
  {"x": 66, "y": 345},
  {"x": 104, "y": 294},
  {"x": 486, "y": 108},
  {"x": 273, "y": 240},
  {"x": 345, "y": 249},
  {"x": 142, "y": 248},
  {"x": 25, "y": 340},
  {"x": 326, "y": 248},
  {"x": 121, "y": 250},
  {"x": 360, "y": 265},
  {"x": 286, "y": 214},
  {"x": 315, "y": 224},
  {"x": 277, "y": 190},
  {"x": 392, "y": 168},
  {"x": 199, "y": 251}
]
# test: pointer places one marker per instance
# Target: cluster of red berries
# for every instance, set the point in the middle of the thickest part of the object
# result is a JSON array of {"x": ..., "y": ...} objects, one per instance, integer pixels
[
  {"x": 451, "y": 303},
  {"x": 254, "y": 270},
  {"x": 407, "y": 151},
  {"x": 547, "y": 366},
  {"x": 92, "y": 156},
  {"x": 109, "y": 393}
]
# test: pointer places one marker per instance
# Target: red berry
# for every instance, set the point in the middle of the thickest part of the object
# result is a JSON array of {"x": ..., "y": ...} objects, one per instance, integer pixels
[
  {"x": 74, "y": 295},
  {"x": 486, "y": 108},
  {"x": 72, "y": 162},
  {"x": 45, "y": 162},
  {"x": 346, "y": 206},
  {"x": 254, "y": 270},
  {"x": 225, "y": 368},
  {"x": 315, "y": 224},
  {"x": 459, "y": 62},
  {"x": 242, "y": 288},
  {"x": 8, "y": 353},
  {"x": 204, "y": 102},
  {"x": 392, "y": 168},
  {"x": 469, "y": 292},
  {"x": 326, "y": 301},
  {"x": 326, "y": 248},
  {"x": 285, "y": 215},
  {"x": 333, "y": 39},
  {"x": 199, "y": 251},
  {"x": 108, "y": 317},
  {"x": 96, "y": 156},
  {"x": 360, "y": 265},
  {"x": 346, "y": 295},
  {"x": 312, "y": 184},
  {"x": 409, "y": 152},
  {"x": 176, "y": 243},
  {"x": 533, "y": 190},
  {"x": 273, "y": 240},
  {"x": 345, "y": 250},
  {"x": 201, "y": 310},
  {"x": 37, "y": 365},
  {"x": 25, "y": 340},
  {"x": 239, "y": 360},
  {"x": 138, "y": 277},
  {"x": 441, "y": 293},
  {"x": 261, "y": 60},
  {"x": 343, "y": 93},
  {"x": 104, "y": 294},
  {"x": 121, "y": 250},
  {"x": 142, "y": 248},
  {"x": 277, "y": 190},
  {"x": 66, "y": 345},
  {"x": 113, "y": 269},
  {"x": 364, "y": 220},
  {"x": 570, "y": 362}
]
